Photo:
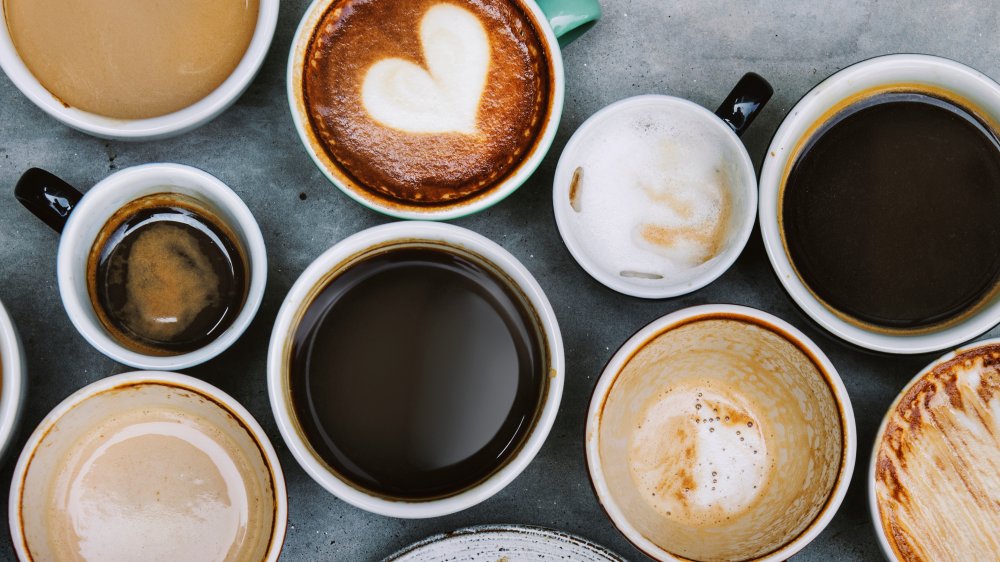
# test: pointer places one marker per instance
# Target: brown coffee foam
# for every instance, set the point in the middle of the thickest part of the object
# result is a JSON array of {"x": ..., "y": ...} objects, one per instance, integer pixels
[
  {"x": 426, "y": 168},
  {"x": 937, "y": 470}
]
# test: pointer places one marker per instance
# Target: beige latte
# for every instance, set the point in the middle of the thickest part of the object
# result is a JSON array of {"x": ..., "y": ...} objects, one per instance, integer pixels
[
  {"x": 721, "y": 439},
  {"x": 937, "y": 471},
  {"x": 131, "y": 59},
  {"x": 426, "y": 102}
]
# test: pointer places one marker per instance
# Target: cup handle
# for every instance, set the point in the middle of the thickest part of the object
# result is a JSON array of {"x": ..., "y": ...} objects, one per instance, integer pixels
[
  {"x": 47, "y": 197},
  {"x": 570, "y": 18},
  {"x": 745, "y": 101}
]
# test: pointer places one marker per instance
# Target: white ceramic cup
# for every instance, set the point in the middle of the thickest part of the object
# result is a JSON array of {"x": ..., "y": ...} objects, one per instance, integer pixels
[
  {"x": 617, "y": 488},
  {"x": 153, "y": 128},
  {"x": 87, "y": 218},
  {"x": 869, "y": 75},
  {"x": 119, "y": 394},
  {"x": 568, "y": 21},
  {"x": 13, "y": 380},
  {"x": 730, "y": 120},
  {"x": 315, "y": 278}
]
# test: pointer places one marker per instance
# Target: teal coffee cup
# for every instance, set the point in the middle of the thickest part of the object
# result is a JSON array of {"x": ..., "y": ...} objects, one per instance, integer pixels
[{"x": 431, "y": 110}]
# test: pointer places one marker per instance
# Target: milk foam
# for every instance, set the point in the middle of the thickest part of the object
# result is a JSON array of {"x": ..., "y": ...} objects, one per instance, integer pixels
[
  {"x": 654, "y": 194},
  {"x": 444, "y": 96},
  {"x": 699, "y": 455}
]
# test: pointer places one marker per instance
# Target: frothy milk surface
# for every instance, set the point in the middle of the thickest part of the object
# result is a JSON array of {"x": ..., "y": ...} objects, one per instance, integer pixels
[
  {"x": 154, "y": 485},
  {"x": 653, "y": 191}
]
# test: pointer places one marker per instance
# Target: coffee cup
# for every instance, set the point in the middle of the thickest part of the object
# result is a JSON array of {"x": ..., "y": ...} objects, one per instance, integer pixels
[
  {"x": 203, "y": 103},
  {"x": 443, "y": 140},
  {"x": 850, "y": 255},
  {"x": 415, "y": 369},
  {"x": 13, "y": 379},
  {"x": 655, "y": 196},
  {"x": 720, "y": 432},
  {"x": 150, "y": 466},
  {"x": 933, "y": 475},
  {"x": 165, "y": 299}
]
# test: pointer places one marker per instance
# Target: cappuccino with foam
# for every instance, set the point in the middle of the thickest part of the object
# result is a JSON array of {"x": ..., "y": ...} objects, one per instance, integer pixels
[{"x": 426, "y": 102}]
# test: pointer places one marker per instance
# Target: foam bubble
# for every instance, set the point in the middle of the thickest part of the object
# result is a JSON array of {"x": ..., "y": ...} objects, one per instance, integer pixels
[
  {"x": 444, "y": 96},
  {"x": 655, "y": 192}
]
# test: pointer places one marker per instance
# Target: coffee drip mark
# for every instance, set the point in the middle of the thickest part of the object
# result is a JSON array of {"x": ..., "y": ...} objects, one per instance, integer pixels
[
  {"x": 574, "y": 189},
  {"x": 640, "y": 275},
  {"x": 445, "y": 96}
]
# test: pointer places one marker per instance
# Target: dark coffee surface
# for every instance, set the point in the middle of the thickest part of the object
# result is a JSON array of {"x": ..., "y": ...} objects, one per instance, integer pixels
[
  {"x": 890, "y": 211},
  {"x": 432, "y": 167},
  {"x": 166, "y": 278},
  {"x": 416, "y": 373}
]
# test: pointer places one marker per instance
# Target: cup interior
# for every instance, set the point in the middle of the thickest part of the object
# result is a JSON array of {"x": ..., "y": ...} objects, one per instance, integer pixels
[
  {"x": 720, "y": 436},
  {"x": 969, "y": 88},
  {"x": 705, "y": 134},
  {"x": 401, "y": 209},
  {"x": 160, "y": 127},
  {"x": 118, "y": 190},
  {"x": 57, "y": 483},
  {"x": 340, "y": 258}
]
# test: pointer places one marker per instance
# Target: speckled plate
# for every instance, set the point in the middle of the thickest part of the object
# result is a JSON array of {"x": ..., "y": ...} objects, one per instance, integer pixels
[{"x": 504, "y": 543}]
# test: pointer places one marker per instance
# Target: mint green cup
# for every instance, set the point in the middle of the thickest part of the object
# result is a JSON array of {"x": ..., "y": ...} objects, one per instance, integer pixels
[{"x": 558, "y": 21}]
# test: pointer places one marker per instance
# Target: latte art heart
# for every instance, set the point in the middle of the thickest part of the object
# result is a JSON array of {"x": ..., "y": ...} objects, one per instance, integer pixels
[{"x": 443, "y": 97}]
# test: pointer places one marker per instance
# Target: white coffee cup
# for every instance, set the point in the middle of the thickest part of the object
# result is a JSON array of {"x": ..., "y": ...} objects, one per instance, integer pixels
[
  {"x": 124, "y": 394},
  {"x": 13, "y": 379},
  {"x": 53, "y": 200},
  {"x": 885, "y": 71},
  {"x": 804, "y": 407},
  {"x": 725, "y": 125},
  {"x": 318, "y": 274},
  {"x": 152, "y": 128}
]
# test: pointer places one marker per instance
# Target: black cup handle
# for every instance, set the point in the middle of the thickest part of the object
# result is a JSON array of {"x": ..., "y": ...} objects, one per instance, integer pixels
[
  {"x": 745, "y": 101},
  {"x": 47, "y": 197}
]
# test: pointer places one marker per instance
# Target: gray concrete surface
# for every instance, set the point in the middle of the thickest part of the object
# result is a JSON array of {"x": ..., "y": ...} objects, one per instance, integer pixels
[{"x": 692, "y": 48}]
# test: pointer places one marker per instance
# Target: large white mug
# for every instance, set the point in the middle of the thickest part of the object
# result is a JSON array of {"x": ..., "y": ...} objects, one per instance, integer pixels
[{"x": 13, "y": 379}]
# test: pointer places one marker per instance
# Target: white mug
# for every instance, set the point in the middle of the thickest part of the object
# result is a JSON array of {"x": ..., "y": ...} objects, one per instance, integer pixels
[
  {"x": 885, "y": 71},
  {"x": 13, "y": 379},
  {"x": 81, "y": 219},
  {"x": 339, "y": 257},
  {"x": 164, "y": 126}
]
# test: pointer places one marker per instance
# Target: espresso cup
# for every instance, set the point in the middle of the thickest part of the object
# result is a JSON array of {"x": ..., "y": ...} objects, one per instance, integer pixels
[
  {"x": 655, "y": 196},
  {"x": 164, "y": 126},
  {"x": 937, "y": 78},
  {"x": 84, "y": 220},
  {"x": 326, "y": 415},
  {"x": 443, "y": 140},
  {"x": 720, "y": 432},
  {"x": 13, "y": 379},
  {"x": 933, "y": 476},
  {"x": 150, "y": 466}
]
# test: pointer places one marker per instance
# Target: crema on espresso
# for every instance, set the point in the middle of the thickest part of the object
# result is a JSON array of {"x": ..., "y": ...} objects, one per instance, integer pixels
[{"x": 426, "y": 101}]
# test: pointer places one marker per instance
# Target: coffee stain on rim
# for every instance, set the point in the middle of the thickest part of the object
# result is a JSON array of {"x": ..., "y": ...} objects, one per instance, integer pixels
[
  {"x": 548, "y": 373},
  {"x": 805, "y": 138},
  {"x": 133, "y": 386},
  {"x": 370, "y": 196},
  {"x": 746, "y": 319}
]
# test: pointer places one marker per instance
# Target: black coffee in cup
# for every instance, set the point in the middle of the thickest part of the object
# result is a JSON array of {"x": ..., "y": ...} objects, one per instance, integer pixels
[
  {"x": 417, "y": 371},
  {"x": 889, "y": 210},
  {"x": 166, "y": 275}
]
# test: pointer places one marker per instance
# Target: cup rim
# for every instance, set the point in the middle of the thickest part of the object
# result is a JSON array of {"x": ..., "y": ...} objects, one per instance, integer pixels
[
  {"x": 315, "y": 275},
  {"x": 219, "y": 397},
  {"x": 14, "y": 378},
  {"x": 771, "y": 179},
  {"x": 163, "y": 126},
  {"x": 68, "y": 276},
  {"x": 562, "y": 215},
  {"x": 460, "y": 209},
  {"x": 873, "y": 509},
  {"x": 661, "y": 325}
]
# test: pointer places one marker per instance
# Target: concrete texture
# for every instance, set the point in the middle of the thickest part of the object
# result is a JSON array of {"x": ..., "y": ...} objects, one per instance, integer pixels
[{"x": 696, "y": 49}]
